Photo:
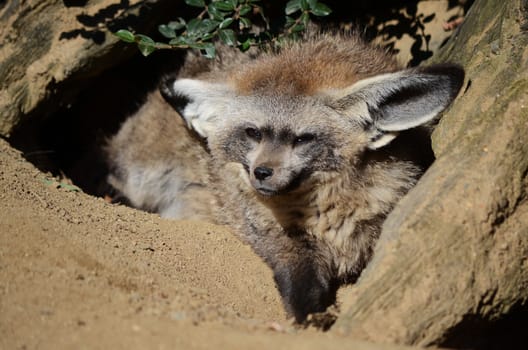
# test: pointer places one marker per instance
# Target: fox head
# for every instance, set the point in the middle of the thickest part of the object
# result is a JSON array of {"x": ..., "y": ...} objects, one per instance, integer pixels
[{"x": 283, "y": 137}]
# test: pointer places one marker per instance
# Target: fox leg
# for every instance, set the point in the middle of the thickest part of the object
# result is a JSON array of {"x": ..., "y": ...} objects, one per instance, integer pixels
[{"x": 303, "y": 277}]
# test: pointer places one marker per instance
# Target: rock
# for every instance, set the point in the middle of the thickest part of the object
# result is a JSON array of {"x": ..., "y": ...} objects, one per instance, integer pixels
[
  {"x": 49, "y": 49},
  {"x": 450, "y": 268}
]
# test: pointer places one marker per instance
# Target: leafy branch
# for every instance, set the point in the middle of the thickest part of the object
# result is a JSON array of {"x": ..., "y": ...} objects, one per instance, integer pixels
[{"x": 230, "y": 21}]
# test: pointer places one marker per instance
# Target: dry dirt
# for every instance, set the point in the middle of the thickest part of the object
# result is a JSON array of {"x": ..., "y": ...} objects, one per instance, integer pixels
[{"x": 77, "y": 272}]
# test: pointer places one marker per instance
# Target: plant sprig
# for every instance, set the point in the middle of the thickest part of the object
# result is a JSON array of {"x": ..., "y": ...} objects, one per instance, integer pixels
[{"x": 230, "y": 21}]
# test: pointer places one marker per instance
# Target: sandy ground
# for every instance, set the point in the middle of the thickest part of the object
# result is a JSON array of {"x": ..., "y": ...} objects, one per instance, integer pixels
[{"x": 77, "y": 272}]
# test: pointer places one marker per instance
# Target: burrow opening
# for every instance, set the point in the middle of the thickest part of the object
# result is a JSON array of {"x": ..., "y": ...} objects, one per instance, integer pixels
[{"x": 68, "y": 143}]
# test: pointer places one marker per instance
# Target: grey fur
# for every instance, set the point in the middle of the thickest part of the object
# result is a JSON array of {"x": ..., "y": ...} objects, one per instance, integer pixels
[{"x": 299, "y": 153}]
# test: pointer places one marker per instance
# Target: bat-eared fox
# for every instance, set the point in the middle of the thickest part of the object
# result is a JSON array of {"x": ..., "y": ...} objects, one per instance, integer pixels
[{"x": 302, "y": 150}]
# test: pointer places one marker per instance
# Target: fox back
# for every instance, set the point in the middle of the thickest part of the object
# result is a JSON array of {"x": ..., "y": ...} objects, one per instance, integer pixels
[{"x": 303, "y": 151}]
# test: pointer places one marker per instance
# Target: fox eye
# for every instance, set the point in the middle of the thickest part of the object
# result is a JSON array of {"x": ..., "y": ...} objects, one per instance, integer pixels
[
  {"x": 254, "y": 134},
  {"x": 303, "y": 139}
]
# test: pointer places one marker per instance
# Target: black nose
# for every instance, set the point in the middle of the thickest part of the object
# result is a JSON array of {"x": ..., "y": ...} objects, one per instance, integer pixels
[{"x": 262, "y": 172}]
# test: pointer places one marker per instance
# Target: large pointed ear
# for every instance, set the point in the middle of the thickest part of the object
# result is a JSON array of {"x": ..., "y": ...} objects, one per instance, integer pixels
[
  {"x": 200, "y": 103},
  {"x": 389, "y": 103}
]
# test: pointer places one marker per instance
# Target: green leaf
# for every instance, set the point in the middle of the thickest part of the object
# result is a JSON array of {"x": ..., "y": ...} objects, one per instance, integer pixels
[
  {"x": 292, "y": 6},
  {"x": 145, "y": 44},
  {"x": 245, "y": 45},
  {"x": 289, "y": 21},
  {"x": 208, "y": 25},
  {"x": 60, "y": 185},
  {"x": 146, "y": 49},
  {"x": 305, "y": 18},
  {"x": 244, "y": 10},
  {"x": 297, "y": 28},
  {"x": 312, "y": 3},
  {"x": 225, "y": 23},
  {"x": 210, "y": 51},
  {"x": 197, "y": 46},
  {"x": 125, "y": 35},
  {"x": 321, "y": 9},
  {"x": 188, "y": 40},
  {"x": 167, "y": 31},
  {"x": 178, "y": 41},
  {"x": 193, "y": 26},
  {"x": 70, "y": 188},
  {"x": 140, "y": 38},
  {"x": 225, "y": 5},
  {"x": 228, "y": 36},
  {"x": 215, "y": 12},
  {"x": 177, "y": 25},
  {"x": 195, "y": 3},
  {"x": 207, "y": 36},
  {"x": 244, "y": 23},
  {"x": 304, "y": 5}
]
